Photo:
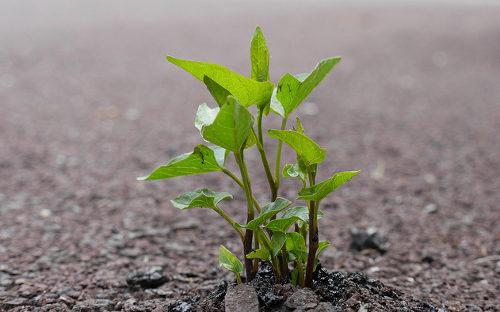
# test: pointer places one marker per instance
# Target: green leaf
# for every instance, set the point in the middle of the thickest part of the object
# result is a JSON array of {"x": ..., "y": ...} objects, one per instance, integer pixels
[
  {"x": 202, "y": 160},
  {"x": 252, "y": 139},
  {"x": 220, "y": 155},
  {"x": 298, "y": 126},
  {"x": 292, "y": 90},
  {"x": 322, "y": 246},
  {"x": 246, "y": 90},
  {"x": 296, "y": 245},
  {"x": 299, "y": 212},
  {"x": 294, "y": 171},
  {"x": 281, "y": 225},
  {"x": 231, "y": 126},
  {"x": 229, "y": 261},
  {"x": 205, "y": 116},
  {"x": 269, "y": 211},
  {"x": 294, "y": 276},
  {"x": 261, "y": 253},
  {"x": 259, "y": 56},
  {"x": 308, "y": 150},
  {"x": 216, "y": 90},
  {"x": 277, "y": 242},
  {"x": 322, "y": 189},
  {"x": 283, "y": 95},
  {"x": 200, "y": 198}
]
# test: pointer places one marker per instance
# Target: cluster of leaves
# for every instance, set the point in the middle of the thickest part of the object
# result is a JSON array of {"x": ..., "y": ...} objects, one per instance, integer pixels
[{"x": 283, "y": 233}]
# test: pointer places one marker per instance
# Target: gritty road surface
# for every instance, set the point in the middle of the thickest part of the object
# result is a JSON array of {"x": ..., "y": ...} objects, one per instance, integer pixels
[{"x": 88, "y": 103}]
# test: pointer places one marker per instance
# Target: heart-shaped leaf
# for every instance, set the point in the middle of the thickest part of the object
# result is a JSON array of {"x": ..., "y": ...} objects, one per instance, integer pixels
[
  {"x": 268, "y": 211},
  {"x": 261, "y": 253},
  {"x": 308, "y": 150},
  {"x": 299, "y": 212},
  {"x": 292, "y": 90},
  {"x": 277, "y": 242},
  {"x": 281, "y": 225},
  {"x": 203, "y": 159},
  {"x": 259, "y": 56},
  {"x": 231, "y": 127},
  {"x": 216, "y": 90},
  {"x": 200, "y": 198},
  {"x": 205, "y": 116},
  {"x": 246, "y": 90},
  {"x": 322, "y": 189},
  {"x": 229, "y": 261},
  {"x": 296, "y": 245},
  {"x": 283, "y": 95}
]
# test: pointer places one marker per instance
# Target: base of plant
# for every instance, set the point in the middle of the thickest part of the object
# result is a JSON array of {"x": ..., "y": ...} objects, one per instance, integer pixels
[{"x": 331, "y": 291}]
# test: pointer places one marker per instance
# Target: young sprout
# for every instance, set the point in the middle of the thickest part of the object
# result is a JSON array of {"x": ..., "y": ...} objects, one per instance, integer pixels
[
  {"x": 230, "y": 262},
  {"x": 280, "y": 232}
]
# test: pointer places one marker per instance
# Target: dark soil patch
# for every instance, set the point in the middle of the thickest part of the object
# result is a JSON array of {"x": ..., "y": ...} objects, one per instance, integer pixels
[{"x": 332, "y": 291}]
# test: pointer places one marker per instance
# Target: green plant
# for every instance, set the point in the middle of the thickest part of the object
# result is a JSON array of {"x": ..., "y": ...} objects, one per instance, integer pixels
[{"x": 278, "y": 233}]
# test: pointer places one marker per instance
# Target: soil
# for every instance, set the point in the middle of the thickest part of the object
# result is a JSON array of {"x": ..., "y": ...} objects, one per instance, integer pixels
[
  {"x": 88, "y": 103},
  {"x": 331, "y": 291}
]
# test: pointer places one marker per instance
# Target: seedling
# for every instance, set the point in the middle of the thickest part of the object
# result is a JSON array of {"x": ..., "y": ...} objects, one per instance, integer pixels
[{"x": 281, "y": 232}]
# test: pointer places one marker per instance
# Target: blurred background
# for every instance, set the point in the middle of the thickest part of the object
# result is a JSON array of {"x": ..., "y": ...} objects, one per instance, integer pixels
[{"x": 88, "y": 103}]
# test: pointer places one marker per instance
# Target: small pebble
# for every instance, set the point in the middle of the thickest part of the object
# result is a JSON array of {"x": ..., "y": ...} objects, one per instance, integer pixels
[
  {"x": 430, "y": 208},
  {"x": 362, "y": 239},
  {"x": 150, "y": 278}
]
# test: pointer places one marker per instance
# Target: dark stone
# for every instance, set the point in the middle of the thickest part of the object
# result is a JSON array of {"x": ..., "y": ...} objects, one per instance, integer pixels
[
  {"x": 264, "y": 283},
  {"x": 346, "y": 289},
  {"x": 332, "y": 205},
  {"x": 362, "y": 239},
  {"x": 150, "y": 278},
  {"x": 184, "y": 305},
  {"x": 430, "y": 256},
  {"x": 215, "y": 299}
]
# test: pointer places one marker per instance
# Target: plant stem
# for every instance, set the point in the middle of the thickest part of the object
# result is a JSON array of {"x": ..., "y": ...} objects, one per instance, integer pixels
[
  {"x": 238, "y": 181},
  {"x": 259, "y": 126},
  {"x": 231, "y": 221},
  {"x": 277, "y": 165},
  {"x": 276, "y": 264},
  {"x": 265, "y": 162},
  {"x": 247, "y": 241},
  {"x": 238, "y": 278},
  {"x": 300, "y": 269},
  {"x": 283, "y": 257},
  {"x": 313, "y": 234},
  {"x": 256, "y": 246}
]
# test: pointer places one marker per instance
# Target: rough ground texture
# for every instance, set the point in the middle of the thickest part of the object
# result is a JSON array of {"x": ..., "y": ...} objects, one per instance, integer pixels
[
  {"x": 331, "y": 291},
  {"x": 87, "y": 103}
]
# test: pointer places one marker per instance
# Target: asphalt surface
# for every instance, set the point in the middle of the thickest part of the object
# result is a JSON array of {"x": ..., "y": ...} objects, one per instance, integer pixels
[{"x": 88, "y": 103}]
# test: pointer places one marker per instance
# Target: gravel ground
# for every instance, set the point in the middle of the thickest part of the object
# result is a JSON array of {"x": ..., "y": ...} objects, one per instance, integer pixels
[{"x": 87, "y": 103}]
